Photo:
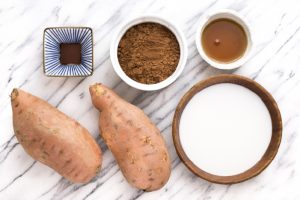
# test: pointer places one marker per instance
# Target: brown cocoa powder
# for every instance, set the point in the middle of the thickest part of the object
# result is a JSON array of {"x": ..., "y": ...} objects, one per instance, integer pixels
[{"x": 148, "y": 53}]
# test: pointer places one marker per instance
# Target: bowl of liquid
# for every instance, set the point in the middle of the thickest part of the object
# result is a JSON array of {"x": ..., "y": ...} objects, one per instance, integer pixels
[
  {"x": 223, "y": 39},
  {"x": 227, "y": 129}
]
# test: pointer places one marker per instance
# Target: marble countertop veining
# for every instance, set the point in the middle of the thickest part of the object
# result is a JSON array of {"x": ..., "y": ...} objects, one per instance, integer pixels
[{"x": 275, "y": 64}]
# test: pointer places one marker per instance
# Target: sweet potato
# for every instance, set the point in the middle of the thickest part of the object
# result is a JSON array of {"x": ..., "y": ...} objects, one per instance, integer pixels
[
  {"x": 54, "y": 139},
  {"x": 134, "y": 140}
]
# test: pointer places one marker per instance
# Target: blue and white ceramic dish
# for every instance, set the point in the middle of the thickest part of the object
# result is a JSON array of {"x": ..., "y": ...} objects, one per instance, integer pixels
[{"x": 55, "y": 36}]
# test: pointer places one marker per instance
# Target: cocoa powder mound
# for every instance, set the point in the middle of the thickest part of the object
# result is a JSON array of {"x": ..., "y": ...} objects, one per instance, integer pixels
[{"x": 148, "y": 53}]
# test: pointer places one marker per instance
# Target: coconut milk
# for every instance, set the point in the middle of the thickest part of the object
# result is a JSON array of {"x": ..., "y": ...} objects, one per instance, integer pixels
[{"x": 225, "y": 129}]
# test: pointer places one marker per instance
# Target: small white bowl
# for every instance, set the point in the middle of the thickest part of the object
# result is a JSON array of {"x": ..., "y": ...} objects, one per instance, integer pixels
[
  {"x": 228, "y": 14},
  {"x": 114, "y": 52}
]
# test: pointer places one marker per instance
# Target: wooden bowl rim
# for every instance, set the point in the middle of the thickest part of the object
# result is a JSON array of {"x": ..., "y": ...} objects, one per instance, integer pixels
[{"x": 274, "y": 144}]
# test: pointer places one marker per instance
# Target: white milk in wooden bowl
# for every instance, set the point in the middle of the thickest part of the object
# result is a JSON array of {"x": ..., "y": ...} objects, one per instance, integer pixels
[{"x": 225, "y": 129}]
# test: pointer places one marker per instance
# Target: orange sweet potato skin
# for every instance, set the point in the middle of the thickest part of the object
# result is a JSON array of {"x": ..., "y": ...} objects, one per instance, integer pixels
[
  {"x": 134, "y": 140},
  {"x": 54, "y": 139}
]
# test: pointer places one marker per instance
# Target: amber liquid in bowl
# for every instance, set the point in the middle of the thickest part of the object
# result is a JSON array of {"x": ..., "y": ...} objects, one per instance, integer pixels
[{"x": 224, "y": 40}]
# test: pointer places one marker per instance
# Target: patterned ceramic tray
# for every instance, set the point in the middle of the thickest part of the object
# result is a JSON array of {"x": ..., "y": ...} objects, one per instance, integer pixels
[{"x": 54, "y": 37}]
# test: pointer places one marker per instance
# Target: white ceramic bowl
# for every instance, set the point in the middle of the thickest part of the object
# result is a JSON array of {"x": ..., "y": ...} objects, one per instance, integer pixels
[
  {"x": 229, "y": 14},
  {"x": 133, "y": 83}
]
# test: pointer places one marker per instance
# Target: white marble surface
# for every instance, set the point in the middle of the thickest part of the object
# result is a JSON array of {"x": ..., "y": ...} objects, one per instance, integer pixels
[{"x": 275, "y": 64}]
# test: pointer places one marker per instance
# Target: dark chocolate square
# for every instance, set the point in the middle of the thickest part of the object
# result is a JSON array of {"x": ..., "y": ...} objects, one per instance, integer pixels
[{"x": 70, "y": 53}]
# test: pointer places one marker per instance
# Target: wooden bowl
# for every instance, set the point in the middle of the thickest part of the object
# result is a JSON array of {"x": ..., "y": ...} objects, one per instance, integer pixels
[{"x": 276, "y": 128}]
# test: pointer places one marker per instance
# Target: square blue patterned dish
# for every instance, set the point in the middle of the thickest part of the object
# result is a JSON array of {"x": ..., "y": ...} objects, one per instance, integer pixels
[{"x": 54, "y": 37}]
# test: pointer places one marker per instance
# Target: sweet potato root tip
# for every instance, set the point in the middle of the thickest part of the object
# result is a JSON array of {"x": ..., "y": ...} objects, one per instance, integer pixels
[
  {"x": 97, "y": 89},
  {"x": 14, "y": 94}
]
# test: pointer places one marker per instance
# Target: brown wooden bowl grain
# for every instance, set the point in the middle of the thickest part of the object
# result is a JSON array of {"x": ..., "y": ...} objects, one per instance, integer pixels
[{"x": 276, "y": 128}]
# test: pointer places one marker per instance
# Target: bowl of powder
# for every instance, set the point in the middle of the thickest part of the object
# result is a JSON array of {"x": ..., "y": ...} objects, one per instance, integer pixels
[{"x": 148, "y": 53}]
